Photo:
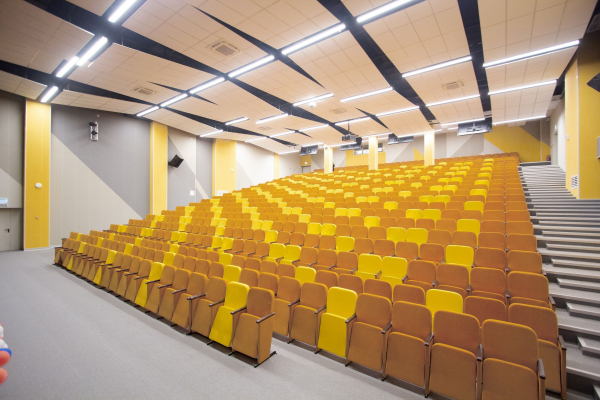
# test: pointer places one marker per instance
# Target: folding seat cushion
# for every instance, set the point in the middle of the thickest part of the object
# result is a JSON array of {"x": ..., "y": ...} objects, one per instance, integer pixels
[
  {"x": 510, "y": 362},
  {"x": 524, "y": 261},
  {"x": 185, "y": 302},
  {"x": 335, "y": 325},
  {"x": 351, "y": 282},
  {"x": 453, "y": 278},
  {"x": 453, "y": 369},
  {"x": 409, "y": 294},
  {"x": 225, "y": 322},
  {"x": 462, "y": 255},
  {"x": 408, "y": 343},
  {"x": 327, "y": 278},
  {"x": 207, "y": 307},
  {"x": 369, "y": 332},
  {"x": 156, "y": 294},
  {"x": 484, "y": 308},
  {"x": 528, "y": 288},
  {"x": 288, "y": 295},
  {"x": 307, "y": 314},
  {"x": 421, "y": 274}
]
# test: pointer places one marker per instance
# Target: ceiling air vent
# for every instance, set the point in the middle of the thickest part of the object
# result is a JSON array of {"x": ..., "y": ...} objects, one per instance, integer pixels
[
  {"x": 338, "y": 110},
  {"x": 452, "y": 85},
  {"x": 144, "y": 91},
  {"x": 264, "y": 128},
  {"x": 595, "y": 24},
  {"x": 224, "y": 48}
]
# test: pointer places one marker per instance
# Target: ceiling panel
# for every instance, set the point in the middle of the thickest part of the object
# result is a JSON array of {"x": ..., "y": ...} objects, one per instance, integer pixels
[
  {"x": 367, "y": 127},
  {"x": 522, "y": 103},
  {"x": 272, "y": 145},
  {"x": 333, "y": 110},
  {"x": 380, "y": 102},
  {"x": 276, "y": 126},
  {"x": 406, "y": 123},
  {"x": 458, "y": 110},
  {"x": 98, "y": 7},
  {"x": 22, "y": 87},
  {"x": 430, "y": 85}
]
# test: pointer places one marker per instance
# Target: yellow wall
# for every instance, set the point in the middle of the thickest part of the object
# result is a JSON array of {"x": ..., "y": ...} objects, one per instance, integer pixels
[
  {"x": 429, "y": 148},
  {"x": 418, "y": 156},
  {"x": 276, "y": 166},
  {"x": 37, "y": 170},
  {"x": 588, "y": 65},
  {"x": 224, "y": 165},
  {"x": 158, "y": 167},
  {"x": 514, "y": 138},
  {"x": 327, "y": 160},
  {"x": 363, "y": 159},
  {"x": 572, "y": 124}
]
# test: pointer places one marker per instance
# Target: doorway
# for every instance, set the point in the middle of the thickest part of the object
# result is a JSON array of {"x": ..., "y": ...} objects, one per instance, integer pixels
[{"x": 11, "y": 237}]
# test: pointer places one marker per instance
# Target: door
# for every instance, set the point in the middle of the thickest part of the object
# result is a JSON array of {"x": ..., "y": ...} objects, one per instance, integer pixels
[{"x": 10, "y": 229}]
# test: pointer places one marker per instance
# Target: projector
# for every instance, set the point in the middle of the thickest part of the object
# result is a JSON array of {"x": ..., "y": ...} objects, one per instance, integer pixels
[{"x": 349, "y": 137}]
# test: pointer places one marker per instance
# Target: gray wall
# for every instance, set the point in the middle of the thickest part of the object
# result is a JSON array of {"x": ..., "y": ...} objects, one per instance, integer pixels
[
  {"x": 204, "y": 165},
  {"x": 12, "y": 117}
]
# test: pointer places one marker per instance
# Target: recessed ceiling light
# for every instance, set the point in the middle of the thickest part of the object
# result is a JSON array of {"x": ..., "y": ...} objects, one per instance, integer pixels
[
  {"x": 212, "y": 133},
  {"x": 93, "y": 50},
  {"x": 67, "y": 67},
  {"x": 437, "y": 66},
  {"x": 360, "y": 96},
  {"x": 351, "y": 121},
  {"x": 437, "y": 103},
  {"x": 380, "y": 10},
  {"x": 463, "y": 122},
  {"x": 325, "y": 96},
  {"x": 383, "y": 114},
  {"x": 206, "y": 85},
  {"x": 522, "y": 87},
  {"x": 313, "y": 39},
  {"x": 121, "y": 10},
  {"x": 313, "y": 127},
  {"x": 235, "y": 121},
  {"x": 282, "y": 134},
  {"x": 251, "y": 66},
  {"x": 261, "y": 121},
  {"x": 49, "y": 94},
  {"x": 149, "y": 110},
  {"x": 289, "y": 152},
  {"x": 255, "y": 140},
  {"x": 531, "y": 54},
  {"x": 174, "y": 100},
  {"x": 519, "y": 120}
]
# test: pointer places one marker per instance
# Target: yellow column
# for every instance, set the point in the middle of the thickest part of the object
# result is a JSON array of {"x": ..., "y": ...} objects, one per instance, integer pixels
[
  {"x": 37, "y": 170},
  {"x": 224, "y": 165},
  {"x": 373, "y": 153},
  {"x": 276, "y": 166},
  {"x": 430, "y": 148},
  {"x": 158, "y": 167},
  {"x": 328, "y": 160},
  {"x": 572, "y": 125}
]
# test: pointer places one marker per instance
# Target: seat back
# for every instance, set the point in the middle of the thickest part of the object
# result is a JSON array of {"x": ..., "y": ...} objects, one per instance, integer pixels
[
  {"x": 313, "y": 295},
  {"x": 373, "y": 310},
  {"x": 378, "y": 287},
  {"x": 341, "y": 302},
  {"x": 524, "y": 261},
  {"x": 369, "y": 263},
  {"x": 305, "y": 274},
  {"x": 268, "y": 281},
  {"x": 327, "y": 278},
  {"x": 416, "y": 235},
  {"x": 516, "y": 344},
  {"x": 411, "y": 319},
  {"x": 528, "y": 285},
  {"x": 259, "y": 302},
  {"x": 236, "y": 295},
  {"x": 441, "y": 300},
  {"x": 488, "y": 280},
  {"x": 351, "y": 282},
  {"x": 215, "y": 289},
  {"x": 462, "y": 255},
  {"x": 456, "y": 330},
  {"x": 289, "y": 289},
  {"x": 484, "y": 308},
  {"x": 453, "y": 275},
  {"x": 543, "y": 321},
  {"x": 409, "y": 294},
  {"x": 231, "y": 273}
]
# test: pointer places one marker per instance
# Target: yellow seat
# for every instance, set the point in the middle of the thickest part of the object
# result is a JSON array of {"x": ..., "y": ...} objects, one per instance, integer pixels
[
  {"x": 328, "y": 229},
  {"x": 305, "y": 274},
  {"x": 393, "y": 269},
  {"x": 335, "y": 330},
  {"x": 469, "y": 225},
  {"x": 354, "y": 212},
  {"x": 266, "y": 225},
  {"x": 231, "y": 273},
  {"x": 416, "y": 184},
  {"x": 344, "y": 243},
  {"x": 431, "y": 213},
  {"x": 372, "y": 221},
  {"x": 390, "y": 205},
  {"x": 416, "y": 235},
  {"x": 257, "y": 224},
  {"x": 341, "y": 212},
  {"x": 443, "y": 300},
  {"x": 329, "y": 204},
  {"x": 216, "y": 242},
  {"x": 225, "y": 321},
  {"x": 291, "y": 254},
  {"x": 155, "y": 273},
  {"x": 225, "y": 258},
  {"x": 414, "y": 213},
  {"x": 461, "y": 255},
  {"x": 396, "y": 234},
  {"x": 373, "y": 199},
  {"x": 276, "y": 252},
  {"x": 453, "y": 188},
  {"x": 478, "y": 192},
  {"x": 314, "y": 228},
  {"x": 305, "y": 218},
  {"x": 226, "y": 245},
  {"x": 369, "y": 266},
  {"x": 474, "y": 205},
  {"x": 270, "y": 236},
  {"x": 426, "y": 198},
  {"x": 442, "y": 198}
]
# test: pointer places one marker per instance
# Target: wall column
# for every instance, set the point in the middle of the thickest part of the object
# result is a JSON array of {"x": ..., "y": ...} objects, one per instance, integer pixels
[
  {"x": 276, "y": 166},
  {"x": 572, "y": 125},
  {"x": 430, "y": 148},
  {"x": 36, "y": 204},
  {"x": 224, "y": 166},
  {"x": 373, "y": 153},
  {"x": 328, "y": 160},
  {"x": 158, "y": 167}
]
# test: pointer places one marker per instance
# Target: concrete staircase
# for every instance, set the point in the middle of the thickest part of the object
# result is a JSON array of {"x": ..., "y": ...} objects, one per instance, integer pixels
[{"x": 568, "y": 234}]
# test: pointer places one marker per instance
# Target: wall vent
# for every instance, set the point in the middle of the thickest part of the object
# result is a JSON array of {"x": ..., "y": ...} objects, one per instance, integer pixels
[
  {"x": 338, "y": 110},
  {"x": 224, "y": 48},
  {"x": 574, "y": 181},
  {"x": 453, "y": 85},
  {"x": 143, "y": 90}
]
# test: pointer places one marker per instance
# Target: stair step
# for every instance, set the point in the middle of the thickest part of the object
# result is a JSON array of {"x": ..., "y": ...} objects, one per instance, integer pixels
[
  {"x": 574, "y": 296},
  {"x": 583, "y": 311},
  {"x": 582, "y": 365},
  {"x": 566, "y": 218},
  {"x": 566, "y": 223},
  {"x": 574, "y": 284},
  {"x": 567, "y": 228},
  {"x": 589, "y": 347},
  {"x": 567, "y": 255},
  {"x": 571, "y": 273},
  {"x": 543, "y": 238},
  {"x": 557, "y": 262},
  {"x": 588, "y": 249}
]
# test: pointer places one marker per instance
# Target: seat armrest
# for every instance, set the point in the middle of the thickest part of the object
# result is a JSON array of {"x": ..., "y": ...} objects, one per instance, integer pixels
[
  {"x": 469, "y": 288},
  {"x": 178, "y": 291},
  {"x": 434, "y": 283},
  {"x": 162, "y": 286},
  {"x": 278, "y": 258},
  {"x": 216, "y": 302},
  {"x": 429, "y": 339},
  {"x": 142, "y": 277},
  {"x": 154, "y": 281},
  {"x": 238, "y": 310},
  {"x": 552, "y": 302},
  {"x": 541, "y": 371},
  {"x": 355, "y": 269},
  {"x": 480, "y": 353},
  {"x": 507, "y": 294},
  {"x": 351, "y": 318},
  {"x": 561, "y": 342},
  {"x": 197, "y": 296},
  {"x": 321, "y": 309},
  {"x": 313, "y": 263},
  {"x": 294, "y": 302},
  {"x": 331, "y": 267},
  {"x": 387, "y": 328},
  {"x": 258, "y": 321},
  {"x": 405, "y": 278}
]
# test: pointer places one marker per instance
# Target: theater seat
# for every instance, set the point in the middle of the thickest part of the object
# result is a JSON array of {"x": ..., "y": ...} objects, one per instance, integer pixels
[
  {"x": 336, "y": 322},
  {"x": 225, "y": 323}
]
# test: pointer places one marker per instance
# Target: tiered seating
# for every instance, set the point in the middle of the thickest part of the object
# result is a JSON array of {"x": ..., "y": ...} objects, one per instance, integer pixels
[{"x": 378, "y": 267}]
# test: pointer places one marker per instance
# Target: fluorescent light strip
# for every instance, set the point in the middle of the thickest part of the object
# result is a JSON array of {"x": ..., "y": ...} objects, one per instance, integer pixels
[
  {"x": 174, "y": 100},
  {"x": 282, "y": 134},
  {"x": 149, "y": 110},
  {"x": 67, "y": 67},
  {"x": 206, "y": 85},
  {"x": 260, "y": 121},
  {"x": 313, "y": 127},
  {"x": 437, "y": 66},
  {"x": 351, "y": 121},
  {"x": 49, "y": 94},
  {"x": 289, "y": 152},
  {"x": 212, "y": 133},
  {"x": 463, "y": 122},
  {"x": 383, "y": 114},
  {"x": 254, "y": 140},
  {"x": 519, "y": 120},
  {"x": 313, "y": 39},
  {"x": 531, "y": 54},
  {"x": 452, "y": 129},
  {"x": 93, "y": 50},
  {"x": 523, "y": 87},
  {"x": 360, "y": 96},
  {"x": 251, "y": 66},
  {"x": 325, "y": 96},
  {"x": 381, "y": 10},
  {"x": 437, "y": 103},
  {"x": 235, "y": 121},
  {"x": 380, "y": 134},
  {"x": 121, "y": 10}
]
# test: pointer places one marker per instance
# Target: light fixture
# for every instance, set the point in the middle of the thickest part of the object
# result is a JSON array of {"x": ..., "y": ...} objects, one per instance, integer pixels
[
  {"x": 325, "y": 96},
  {"x": 531, "y": 54},
  {"x": 67, "y": 67},
  {"x": 121, "y": 10},
  {"x": 174, "y": 100},
  {"x": 313, "y": 127},
  {"x": 453, "y": 129},
  {"x": 93, "y": 50},
  {"x": 260, "y": 121},
  {"x": 289, "y": 152},
  {"x": 313, "y": 39},
  {"x": 49, "y": 94},
  {"x": 235, "y": 121},
  {"x": 282, "y": 134},
  {"x": 360, "y": 96},
  {"x": 523, "y": 87},
  {"x": 206, "y": 85},
  {"x": 383, "y": 114},
  {"x": 251, "y": 66},
  {"x": 379, "y": 134},
  {"x": 519, "y": 120},
  {"x": 381, "y": 10},
  {"x": 255, "y": 140},
  {"x": 351, "y": 121},
  {"x": 463, "y": 122},
  {"x": 147, "y": 111},
  {"x": 437, "y": 66},
  {"x": 212, "y": 133},
  {"x": 437, "y": 103}
]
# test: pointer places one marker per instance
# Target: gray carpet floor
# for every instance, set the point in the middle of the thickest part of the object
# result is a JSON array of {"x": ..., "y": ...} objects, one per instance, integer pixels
[{"x": 71, "y": 340}]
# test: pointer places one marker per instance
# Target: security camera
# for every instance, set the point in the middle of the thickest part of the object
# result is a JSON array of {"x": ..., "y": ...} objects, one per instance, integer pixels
[
  {"x": 312, "y": 104},
  {"x": 93, "y": 131}
]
